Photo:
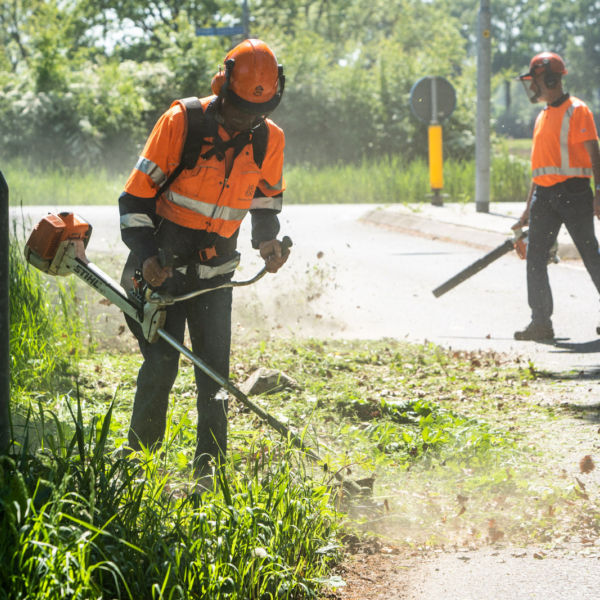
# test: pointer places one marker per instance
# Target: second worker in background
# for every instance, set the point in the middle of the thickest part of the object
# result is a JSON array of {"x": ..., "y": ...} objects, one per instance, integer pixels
[{"x": 564, "y": 156}]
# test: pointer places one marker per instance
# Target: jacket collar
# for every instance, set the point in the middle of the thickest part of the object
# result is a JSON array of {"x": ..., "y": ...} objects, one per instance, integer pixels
[{"x": 560, "y": 100}]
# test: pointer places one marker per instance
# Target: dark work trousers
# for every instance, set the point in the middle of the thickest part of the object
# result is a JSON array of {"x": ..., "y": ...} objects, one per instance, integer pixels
[
  {"x": 209, "y": 323},
  {"x": 571, "y": 203}
]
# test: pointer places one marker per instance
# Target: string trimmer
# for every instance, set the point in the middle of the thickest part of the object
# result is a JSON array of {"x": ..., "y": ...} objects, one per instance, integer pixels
[{"x": 57, "y": 246}]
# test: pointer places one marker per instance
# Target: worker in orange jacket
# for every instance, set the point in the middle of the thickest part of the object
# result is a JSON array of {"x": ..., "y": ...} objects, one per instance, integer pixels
[
  {"x": 564, "y": 156},
  {"x": 195, "y": 210}
]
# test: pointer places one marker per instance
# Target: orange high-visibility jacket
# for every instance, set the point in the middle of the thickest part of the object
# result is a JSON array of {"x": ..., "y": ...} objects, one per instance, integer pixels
[
  {"x": 558, "y": 152},
  {"x": 207, "y": 197}
]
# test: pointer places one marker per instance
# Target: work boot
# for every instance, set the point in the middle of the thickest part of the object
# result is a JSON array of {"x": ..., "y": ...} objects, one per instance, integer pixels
[{"x": 535, "y": 331}]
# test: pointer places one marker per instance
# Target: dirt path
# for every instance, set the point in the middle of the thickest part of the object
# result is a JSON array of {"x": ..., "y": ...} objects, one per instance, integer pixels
[
  {"x": 561, "y": 569},
  {"x": 488, "y": 574}
]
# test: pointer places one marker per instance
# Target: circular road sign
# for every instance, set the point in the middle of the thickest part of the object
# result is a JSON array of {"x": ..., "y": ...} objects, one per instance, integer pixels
[{"x": 423, "y": 103}]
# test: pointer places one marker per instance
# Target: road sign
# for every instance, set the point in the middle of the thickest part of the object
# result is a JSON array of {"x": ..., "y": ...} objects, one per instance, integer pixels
[
  {"x": 207, "y": 31},
  {"x": 432, "y": 99}
]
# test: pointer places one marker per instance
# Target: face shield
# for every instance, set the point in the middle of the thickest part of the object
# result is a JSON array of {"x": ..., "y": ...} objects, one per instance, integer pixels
[{"x": 532, "y": 89}]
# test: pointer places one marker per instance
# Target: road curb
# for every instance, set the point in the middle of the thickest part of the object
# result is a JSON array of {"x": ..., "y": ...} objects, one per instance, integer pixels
[{"x": 462, "y": 234}]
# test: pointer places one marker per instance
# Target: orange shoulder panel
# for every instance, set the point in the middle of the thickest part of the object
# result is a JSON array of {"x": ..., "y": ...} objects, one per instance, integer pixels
[
  {"x": 160, "y": 155},
  {"x": 271, "y": 174}
]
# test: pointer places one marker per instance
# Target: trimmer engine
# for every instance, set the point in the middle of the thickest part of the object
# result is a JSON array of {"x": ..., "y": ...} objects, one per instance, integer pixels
[
  {"x": 47, "y": 236},
  {"x": 57, "y": 246}
]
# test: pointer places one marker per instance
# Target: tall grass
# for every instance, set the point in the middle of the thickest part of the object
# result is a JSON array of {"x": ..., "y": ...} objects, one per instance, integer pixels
[
  {"x": 62, "y": 186},
  {"x": 45, "y": 329},
  {"x": 79, "y": 524},
  {"x": 393, "y": 180},
  {"x": 385, "y": 181}
]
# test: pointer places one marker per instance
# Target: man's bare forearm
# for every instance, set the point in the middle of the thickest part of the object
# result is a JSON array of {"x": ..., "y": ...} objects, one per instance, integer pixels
[{"x": 594, "y": 151}]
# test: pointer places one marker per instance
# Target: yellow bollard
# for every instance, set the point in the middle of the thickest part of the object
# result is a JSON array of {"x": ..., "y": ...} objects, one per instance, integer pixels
[{"x": 436, "y": 158}]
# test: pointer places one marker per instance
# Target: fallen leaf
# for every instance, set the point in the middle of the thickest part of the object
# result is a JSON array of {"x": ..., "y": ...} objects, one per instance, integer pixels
[
  {"x": 587, "y": 541},
  {"x": 519, "y": 555},
  {"x": 581, "y": 485},
  {"x": 551, "y": 511},
  {"x": 105, "y": 302},
  {"x": 463, "y": 557},
  {"x": 495, "y": 535},
  {"x": 387, "y": 505},
  {"x": 508, "y": 472},
  {"x": 121, "y": 330},
  {"x": 586, "y": 464},
  {"x": 462, "y": 511},
  {"x": 488, "y": 336},
  {"x": 461, "y": 499},
  {"x": 320, "y": 254},
  {"x": 538, "y": 556},
  {"x": 581, "y": 494}
]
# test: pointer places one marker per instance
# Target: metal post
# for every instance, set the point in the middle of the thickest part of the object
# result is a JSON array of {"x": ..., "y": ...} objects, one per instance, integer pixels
[
  {"x": 4, "y": 318},
  {"x": 246, "y": 20},
  {"x": 484, "y": 92},
  {"x": 435, "y": 148}
]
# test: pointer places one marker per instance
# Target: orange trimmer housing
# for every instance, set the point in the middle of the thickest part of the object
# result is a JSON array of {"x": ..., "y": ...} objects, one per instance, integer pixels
[{"x": 54, "y": 229}]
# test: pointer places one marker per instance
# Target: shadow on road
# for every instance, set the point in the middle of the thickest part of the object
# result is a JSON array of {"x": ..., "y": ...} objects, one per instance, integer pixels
[
  {"x": 564, "y": 347},
  {"x": 428, "y": 253}
]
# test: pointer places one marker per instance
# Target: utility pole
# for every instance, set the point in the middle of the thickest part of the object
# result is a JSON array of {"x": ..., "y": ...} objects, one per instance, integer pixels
[
  {"x": 246, "y": 20},
  {"x": 4, "y": 319},
  {"x": 484, "y": 93}
]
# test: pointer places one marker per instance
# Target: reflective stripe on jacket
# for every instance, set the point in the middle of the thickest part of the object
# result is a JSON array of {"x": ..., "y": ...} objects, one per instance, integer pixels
[
  {"x": 206, "y": 197},
  {"x": 558, "y": 152}
]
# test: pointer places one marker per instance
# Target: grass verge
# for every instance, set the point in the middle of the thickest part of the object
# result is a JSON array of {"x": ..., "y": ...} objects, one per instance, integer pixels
[
  {"x": 385, "y": 181},
  {"x": 447, "y": 436}
]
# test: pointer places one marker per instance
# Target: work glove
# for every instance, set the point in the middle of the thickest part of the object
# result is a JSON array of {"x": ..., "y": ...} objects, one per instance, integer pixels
[
  {"x": 271, "y": 253},
  {"x": 153, "y": 273}
]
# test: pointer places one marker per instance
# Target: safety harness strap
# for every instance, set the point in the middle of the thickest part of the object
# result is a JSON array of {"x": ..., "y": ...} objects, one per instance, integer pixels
[{"x": 202, "y": 125}]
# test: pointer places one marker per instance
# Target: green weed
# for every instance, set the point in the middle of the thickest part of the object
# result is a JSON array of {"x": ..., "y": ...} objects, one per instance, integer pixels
[{"x": 45, "y": 328}]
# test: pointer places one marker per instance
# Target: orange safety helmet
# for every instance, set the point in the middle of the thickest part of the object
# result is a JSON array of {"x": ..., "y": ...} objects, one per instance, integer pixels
[
  {"x": 253, "y": 82},
  {"x": 548, "y": 63}
]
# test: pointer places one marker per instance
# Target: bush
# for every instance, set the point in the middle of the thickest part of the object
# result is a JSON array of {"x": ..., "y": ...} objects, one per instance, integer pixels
[{"x": 82, "y": 525}]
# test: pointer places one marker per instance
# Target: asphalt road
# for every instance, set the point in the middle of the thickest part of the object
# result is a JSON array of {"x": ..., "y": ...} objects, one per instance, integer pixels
[{"x": 373, "y": 282}]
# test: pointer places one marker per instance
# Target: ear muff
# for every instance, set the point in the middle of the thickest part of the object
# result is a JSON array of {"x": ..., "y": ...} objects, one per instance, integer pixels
[
  {"x": 550, "y": 77},
  {"x": 216, "y": 84}
]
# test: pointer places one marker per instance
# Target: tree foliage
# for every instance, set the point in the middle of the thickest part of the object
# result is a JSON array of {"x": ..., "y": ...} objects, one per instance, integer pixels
[{"x": 83, "y": 81}]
